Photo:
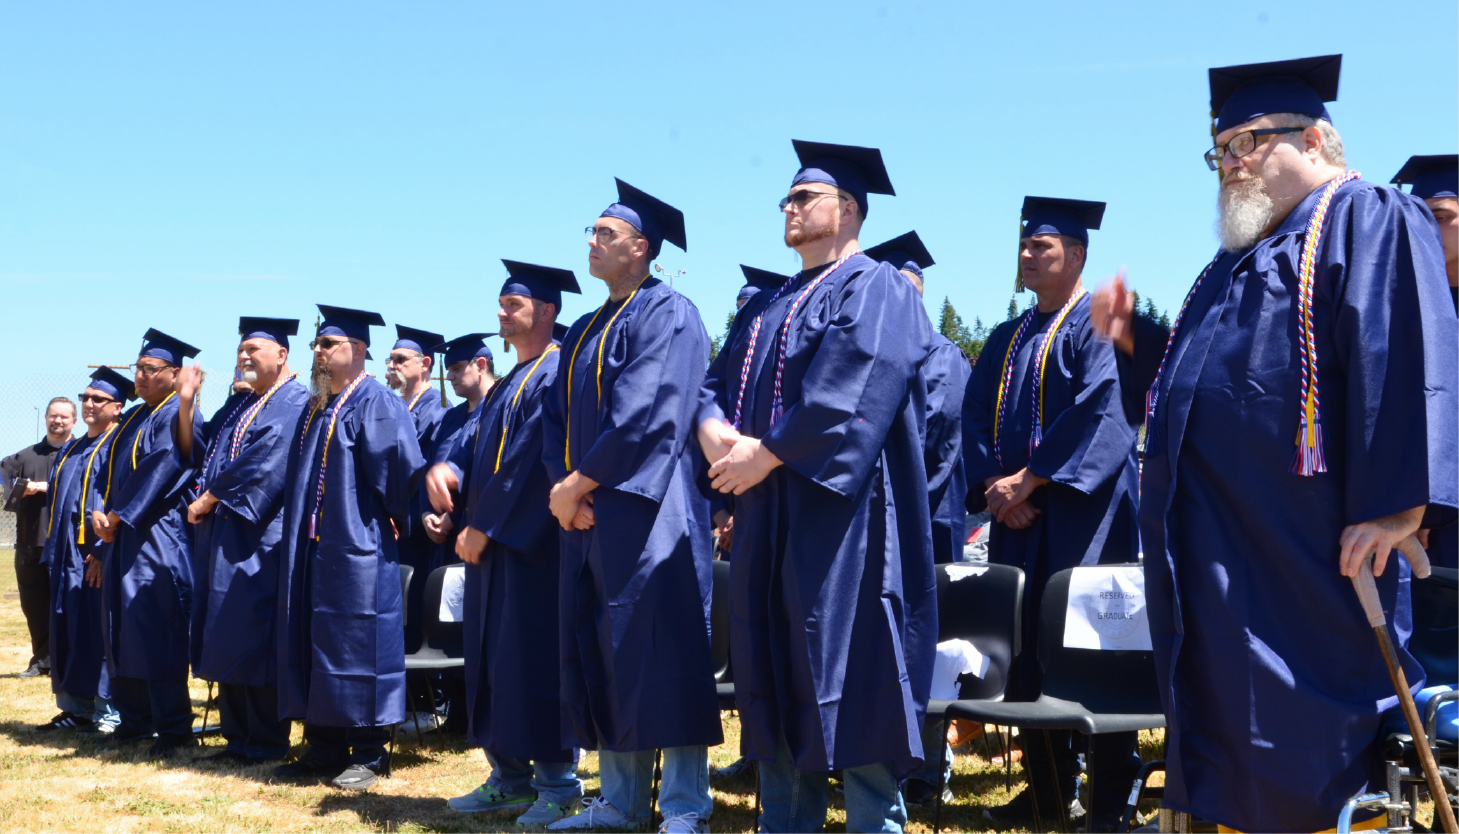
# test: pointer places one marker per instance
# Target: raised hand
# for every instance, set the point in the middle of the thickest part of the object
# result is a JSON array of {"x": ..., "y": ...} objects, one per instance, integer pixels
[
  {"x": 1112, "y": 312},
  {"x": 187, "y": 381}
]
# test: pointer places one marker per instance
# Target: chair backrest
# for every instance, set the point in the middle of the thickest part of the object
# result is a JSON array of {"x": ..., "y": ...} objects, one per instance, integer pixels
[
  {"x": 987, "y": 611},
  {"x": 406, "y": 574},
  {"x": 1435, "y": 624},
  {"x": 1103, "y": 681},
  {"x": 719, "y": 622},
  {"x": 445, "y": 637}
]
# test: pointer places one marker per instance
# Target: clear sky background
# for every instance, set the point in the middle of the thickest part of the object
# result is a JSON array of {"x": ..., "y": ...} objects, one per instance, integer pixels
[{"x": 178, "y": 165}]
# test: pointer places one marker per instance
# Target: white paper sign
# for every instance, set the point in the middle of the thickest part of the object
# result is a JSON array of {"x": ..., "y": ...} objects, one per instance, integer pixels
[
  {"x": 1107, "y": 610},
  {"x": 453, "y": 594},
  {"x": 954, "y": 658},
  {"x": 962, "y": 570}
]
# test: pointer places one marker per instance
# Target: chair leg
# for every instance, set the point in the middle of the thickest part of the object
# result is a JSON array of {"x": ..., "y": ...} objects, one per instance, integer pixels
[
  {"x": 1006, "y": 744},
  {"x": 653, "y": 808},
  {"x": 758, "y": 809},
  {"x": 941, "y": 776},
  {"x": 1062, "y": 808},
  {"x": 1137, "y": 792},
  {"x": 390, "y": 758},
  {"x": 414, "y": 713},
  {"x": 1089, "y": 783},
  {"x": 1033, "y": 793},
  {"x": 431, "y": 699},
  {"x": 203, "y": 732}
]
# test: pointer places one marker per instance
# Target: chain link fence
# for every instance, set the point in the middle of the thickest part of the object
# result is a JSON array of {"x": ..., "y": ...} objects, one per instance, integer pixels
[{"x": 23, "y": 408}]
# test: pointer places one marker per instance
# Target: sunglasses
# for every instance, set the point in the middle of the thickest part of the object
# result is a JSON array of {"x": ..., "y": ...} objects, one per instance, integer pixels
[
  {"x": 92, "y": 398},
  {"x": 799, "y": 199}
]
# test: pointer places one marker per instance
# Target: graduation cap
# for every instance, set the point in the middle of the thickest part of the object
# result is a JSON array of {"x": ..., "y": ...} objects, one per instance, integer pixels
[
  {"x": 905, "y": 252},
  {"x": 1054, "y": 216},
  {"x": 113, "y": 384},
  {"x": 853, "y": 169},
  {"x": 1436, "y": 175},
  {"x": 1242, "y": 93},
  {"x": 351, "y": 324},
  {"x": 464, "y": 348},
  {"x": 420, "y": 341},
  {"x": 655, "y": 219},
  {"x": 275, "y": 330},
  {"x": 544, "y": 283},
  {"x": 757, "y": 280},
  {"x": 159, "y": 345}
]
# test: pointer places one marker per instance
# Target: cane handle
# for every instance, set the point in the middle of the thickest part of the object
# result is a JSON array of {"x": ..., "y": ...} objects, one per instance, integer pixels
[
  {"x": 1416, "y": 556},
  {"x": 1368, "y": 594}
]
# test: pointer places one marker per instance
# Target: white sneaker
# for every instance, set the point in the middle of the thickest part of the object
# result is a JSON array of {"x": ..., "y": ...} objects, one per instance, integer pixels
[
  {"x": 689, "y": 823},
  {"x": 595, "y": 813},
  {"x": 428, "y": 721}
]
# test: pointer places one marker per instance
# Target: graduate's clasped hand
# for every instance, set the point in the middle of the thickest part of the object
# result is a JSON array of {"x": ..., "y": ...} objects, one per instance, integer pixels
[{"x": 736, "y": 462}]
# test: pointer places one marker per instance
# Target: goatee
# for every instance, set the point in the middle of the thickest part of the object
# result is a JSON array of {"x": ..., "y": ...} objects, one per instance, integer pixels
[
  {"x": 1243, "y": 212},
  {"x": 320, "y": 380},
  {"x": 802, "y": 236}
]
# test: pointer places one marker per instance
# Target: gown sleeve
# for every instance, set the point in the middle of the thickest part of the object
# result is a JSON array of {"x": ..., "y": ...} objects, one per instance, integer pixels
[
  {"x": 252, "y": 484},
  {"x": 389, "y": 461},
  {"x": 873, "y": 347},
  {"x": 158, "y": 472}
]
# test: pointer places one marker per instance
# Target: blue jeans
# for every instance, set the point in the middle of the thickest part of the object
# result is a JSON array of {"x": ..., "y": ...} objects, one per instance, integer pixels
[
  {"x": 628, "y": 782},
  {"x": 97, "y": 709},
  {"x": 557, "y": 781},
  {"x": 931, "y": 735},
  {"x": 796, "y": 800},
  {"x": 146, "y": 706}
]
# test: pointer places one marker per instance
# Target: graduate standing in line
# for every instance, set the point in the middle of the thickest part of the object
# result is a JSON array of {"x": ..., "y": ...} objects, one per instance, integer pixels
[
  {"x": 1050, "y": 452},
  {"x": 1302, "y": 418},
  {"x": 78, "y": 660},
  {"x": 353, "y": 461},
  {"x": 236, "y": 512},
  {"x": 147, "y": 560},
  {"x": 636, "y": 560},
  {"x": 509, "y": 542},
  {"x": 814, "y": 418}
]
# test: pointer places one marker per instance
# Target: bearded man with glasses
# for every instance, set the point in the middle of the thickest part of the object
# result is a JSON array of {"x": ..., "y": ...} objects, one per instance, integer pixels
[
  {"x": 236, "y": 517},
  {"x": 147, "y": 559},
  {"x": 1300, "y": 418},
  {"x": 78, "y": 664},
  {"x": 353, "y": 460}
]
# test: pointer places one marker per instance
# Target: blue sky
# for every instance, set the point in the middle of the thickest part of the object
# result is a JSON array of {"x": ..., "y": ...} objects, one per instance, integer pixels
[{"x": 178, "y": 165}]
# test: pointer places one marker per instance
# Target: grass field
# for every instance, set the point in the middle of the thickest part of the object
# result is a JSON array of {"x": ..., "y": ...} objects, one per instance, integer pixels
[{"x": 63, "y": 782}]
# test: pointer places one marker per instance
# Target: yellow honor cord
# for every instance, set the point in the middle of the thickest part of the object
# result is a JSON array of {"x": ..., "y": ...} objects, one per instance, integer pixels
[
  {"x": 138, "y": 439},
  {"x": 51, "y": 488},
  {"x": 1003, "y": 374},
  {"x": 507, "y": 412},
  {"x": 111, "y": 461},
  {"x": 415, "y": 399},
  {"x": 86, "y": 484},
  {"x": 572, "y": 361},
  {"x": 1048, "y": 345},
  {"x": 258, "y": 409}
]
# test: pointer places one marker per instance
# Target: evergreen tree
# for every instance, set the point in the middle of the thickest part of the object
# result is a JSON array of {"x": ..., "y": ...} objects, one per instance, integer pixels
[
  {"x": 1012, "y": 307},
  {"x": 950, "y": 325},
  {"x": 718, "y": 341}
]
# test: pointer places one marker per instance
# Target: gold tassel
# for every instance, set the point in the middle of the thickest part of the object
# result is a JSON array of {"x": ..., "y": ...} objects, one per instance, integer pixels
[{"x": 1018, "y": 275}]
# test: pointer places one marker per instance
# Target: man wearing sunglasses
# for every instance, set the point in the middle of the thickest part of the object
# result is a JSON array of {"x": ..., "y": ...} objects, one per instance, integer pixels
[
  {"x": 236, "y": 516},
  {"x": 1302, "y": 419},
  {"x": 147, "y": 559},
  {"x": 354, "y": 458},
  {"x": 78, "y": 662},
  {"x": 636, "y": 550},
  {"x": 813, "y": 418}
]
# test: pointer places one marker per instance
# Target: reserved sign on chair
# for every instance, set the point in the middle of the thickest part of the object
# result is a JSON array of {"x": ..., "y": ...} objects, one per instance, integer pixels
[{"x": 1107, "y": 609}]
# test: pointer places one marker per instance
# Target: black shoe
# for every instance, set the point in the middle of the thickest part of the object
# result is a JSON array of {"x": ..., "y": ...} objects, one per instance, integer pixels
[
  {"x": 308, "y": 768},
  {"x": 123, "y": 735},
  {"x": 738, "y": 767},
  {"x": 35, "y": 670},
  {"x": 920, "y": 794},
  {"x": 67, "y": 721},
  {"x": 1018, "y": 812},
  {"x": 355, "y": 778},
  {"x": 167, "y": 745},
  {"x": 223, "y": 757}
]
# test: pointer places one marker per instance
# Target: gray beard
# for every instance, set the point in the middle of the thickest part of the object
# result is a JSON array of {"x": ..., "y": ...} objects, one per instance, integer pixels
[
  {"x": 1243, "y": 214},
  {"x": 319, "y": 383}
]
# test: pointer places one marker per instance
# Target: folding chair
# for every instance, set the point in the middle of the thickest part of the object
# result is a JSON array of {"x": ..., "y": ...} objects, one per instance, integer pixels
[
  {"x": 1093, "y": 692},
  {"x": 986, "y": 610},
  {"x": 441, "y": 639}
]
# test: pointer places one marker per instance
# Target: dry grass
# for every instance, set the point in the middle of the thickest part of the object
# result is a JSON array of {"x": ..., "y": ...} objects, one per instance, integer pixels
[{"x": 63, "y": 782}]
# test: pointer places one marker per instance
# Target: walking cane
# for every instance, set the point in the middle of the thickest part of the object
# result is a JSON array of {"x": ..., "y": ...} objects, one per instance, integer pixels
[{"x": 1373, "y": 608}]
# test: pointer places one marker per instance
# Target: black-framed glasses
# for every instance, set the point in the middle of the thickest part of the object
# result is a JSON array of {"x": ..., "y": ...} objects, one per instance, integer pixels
[
  {"x": 92, "y": 398},
  {"x": 603, "y": 234},
  {"x": 152, "y": 370},
  {"x": 1243, "y": 143},
  {"x": 803, "y": 197}
]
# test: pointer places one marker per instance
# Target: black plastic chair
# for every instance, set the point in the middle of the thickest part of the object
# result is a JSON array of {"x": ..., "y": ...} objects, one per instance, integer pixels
[
  {"x": 1093, "y": 692},
  {"x": 441, "y": 640},
  {"x": 719, "y": 642},
  {"x": 987, "y": 611}
]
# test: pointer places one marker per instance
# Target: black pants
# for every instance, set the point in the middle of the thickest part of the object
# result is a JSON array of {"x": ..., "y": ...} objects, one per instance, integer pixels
[
  {"x": 34, "y": 581},
  {"x": 349, "y": 746},
  {"x": 163, "y": 707},
  {"x": 1112, "y": 770},
  {"x": 249, "y": 718}
]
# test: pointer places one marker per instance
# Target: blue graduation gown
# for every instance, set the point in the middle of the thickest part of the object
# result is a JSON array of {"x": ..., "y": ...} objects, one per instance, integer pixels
[
  {"x": 147, "y": 580},
  {"x": 458, "y": 427},
  {"x": 635, "y": 592},
  {"x": 1271, "y": 677},
  {"x": 341, "y": 617},
  {"x": 946, "y": 372},
  {"x": 513, "y": 682},
  {"x": 236, "y": 546},
  {"x": 1087, "y": 452},
  {"x": 416, "y": 548},
  {"x": 833, "y": 607},
  {"x": 78, "y": 661}
]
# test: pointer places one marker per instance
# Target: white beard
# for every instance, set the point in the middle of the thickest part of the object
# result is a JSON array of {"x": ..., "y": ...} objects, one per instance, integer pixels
[
  {"x": 248, "y": 375},
  {"x": 1243, "y": 214}
]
